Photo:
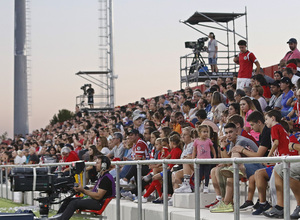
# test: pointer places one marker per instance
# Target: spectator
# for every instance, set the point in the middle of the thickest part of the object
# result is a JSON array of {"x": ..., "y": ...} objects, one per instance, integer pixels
[
  {"x": 217, "y": 107},
  {"x": 277, "y": 75},
  {"x": 68, "y": 156},
  {"x": 257, "y": 93},
  {"x": 294, "y": 52},
  {"x": 33, "y": 158},
  {"x": 202, "y": 118},
  {"x": 118, "y": 150},
  {"x": 238, "y": 95},
  {"x": 275, "y": 101},
  {"x": 285, "y": 86},
  {"x": 102, "y": 145},
  {"x": 246, "y": 60},
  {"x": 234, "y": 108}
]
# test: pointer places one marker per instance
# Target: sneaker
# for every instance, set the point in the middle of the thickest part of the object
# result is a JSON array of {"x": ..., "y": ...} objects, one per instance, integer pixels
[
  {"x": 247, "y": 205},
  {"x": 262, "y": 208},
  {"x": 295, "y": 214},
  {"x": 126, "y": 193},
  {"x": 222, "y": 207},
  {"x": 228, "y": 172},
  {"x": 144, "y": 200},
  {"x": 184, "y": 188},
  {"x": 274, "y": 213},
  {"x": 212, "y": 204},
  {"x": 123, "y": 183},
  {"x": 158, "y": 201},
  {"x": 148, "y": 177},
  {"x": 256, "y": 205},
  {"x": 205, "y": 190}
]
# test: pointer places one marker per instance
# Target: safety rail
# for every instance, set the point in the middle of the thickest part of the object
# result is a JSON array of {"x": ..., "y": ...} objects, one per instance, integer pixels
[{"x": 286, "y": 160}]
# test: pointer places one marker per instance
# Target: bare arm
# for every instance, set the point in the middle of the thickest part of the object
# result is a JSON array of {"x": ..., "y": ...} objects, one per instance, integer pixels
[
  {"x": 257, "y": 66},
  {"x": 94, "y": 195},
  {"x": 274, "y": 147}
]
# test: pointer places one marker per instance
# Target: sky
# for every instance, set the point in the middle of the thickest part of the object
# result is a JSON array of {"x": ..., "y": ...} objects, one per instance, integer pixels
[{"x": 148, "y": 42}]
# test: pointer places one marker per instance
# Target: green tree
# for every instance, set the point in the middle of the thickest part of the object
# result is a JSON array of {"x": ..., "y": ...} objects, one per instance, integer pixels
[{"x": 63, "y": 115}]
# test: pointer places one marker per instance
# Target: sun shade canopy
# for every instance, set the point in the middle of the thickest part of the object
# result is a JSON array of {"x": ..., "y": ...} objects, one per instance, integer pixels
[{"x": 199, "y": 17}]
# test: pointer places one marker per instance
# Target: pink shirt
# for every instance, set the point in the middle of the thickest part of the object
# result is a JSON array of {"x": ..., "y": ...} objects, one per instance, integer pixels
[
  {"x": 293, "y": 54},
  {"x": 203, "y": 148},
  {"x": 247, "y": 125}
]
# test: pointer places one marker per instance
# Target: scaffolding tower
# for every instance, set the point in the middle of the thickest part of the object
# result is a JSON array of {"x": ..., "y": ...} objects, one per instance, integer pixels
[
  {"x": 194, "y": 72},
  {"x": 104, "y": 77}
]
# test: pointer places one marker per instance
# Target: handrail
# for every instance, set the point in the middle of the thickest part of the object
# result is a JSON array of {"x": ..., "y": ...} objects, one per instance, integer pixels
[{"x": 286, "y": 160}]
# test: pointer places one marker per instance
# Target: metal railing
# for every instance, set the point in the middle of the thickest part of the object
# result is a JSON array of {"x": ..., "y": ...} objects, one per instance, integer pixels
[{"x": 286, "y": 160}]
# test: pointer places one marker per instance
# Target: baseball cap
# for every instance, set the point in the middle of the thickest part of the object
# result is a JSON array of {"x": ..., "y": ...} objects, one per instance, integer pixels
[
  {"x": 134, "y": 131},
  {"x": 292, "y": 40},
  {"x": 286, "y": 80},
  {"x": 292, "y": 66},
  {"x": 276, "y": 83}
]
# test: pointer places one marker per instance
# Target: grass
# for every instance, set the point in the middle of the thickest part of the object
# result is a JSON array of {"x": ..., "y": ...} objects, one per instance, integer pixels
[{"x": 10, "y": 207}]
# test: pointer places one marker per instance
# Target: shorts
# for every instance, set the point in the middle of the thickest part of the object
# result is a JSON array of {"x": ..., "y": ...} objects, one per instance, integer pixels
[
  {"x": 252, "y": 167},
  {"x": 269, "y": 171},
  {"x": 294, "y": 170},
  {"x": 212, "y": 61},
  {"x": 90, "y": 100},
  {"x": 242, "y": 82}
]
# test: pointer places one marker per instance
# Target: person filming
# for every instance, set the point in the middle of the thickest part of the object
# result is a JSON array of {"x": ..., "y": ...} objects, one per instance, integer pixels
[{"x": 104, "y": 188}]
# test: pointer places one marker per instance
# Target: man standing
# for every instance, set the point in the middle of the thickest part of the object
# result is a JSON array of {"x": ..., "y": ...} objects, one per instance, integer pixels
[
  {"x": 294, "y": 53},
  {"x": 212, "y": 52},
  {"x": 246, "y": 60}
]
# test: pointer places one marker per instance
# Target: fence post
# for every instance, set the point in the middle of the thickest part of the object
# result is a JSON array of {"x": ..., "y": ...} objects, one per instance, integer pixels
[
  {"x": 139, "y": 181},
  {"x": 1, "y": 176},
  {"x": 286, "y": 189},
  {"x": 118, "y": 192},
  {"x": 165, "y": 188},
  {"x": 236, "y": 193},
  {"x": 197, "y": 190},
  {"x": 6, "y": 182}
]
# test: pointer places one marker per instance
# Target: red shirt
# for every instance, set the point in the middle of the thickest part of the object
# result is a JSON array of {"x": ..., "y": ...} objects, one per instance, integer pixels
[
  {"x": 267, "y": 92},
  {"x": 246, "y": 61},
  {"x": 162, "y": 154},
  {"x": 140, "y": 149},
  {"x": 278, "y": 133},
  {"x": 72, "y": 157},
  {"x": 249, "y": 136},
  {"x": 175, "y": 154},
  {"x": 293, "y": 54}
]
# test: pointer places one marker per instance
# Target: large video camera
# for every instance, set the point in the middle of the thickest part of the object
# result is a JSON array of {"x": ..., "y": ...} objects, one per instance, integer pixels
[
  {"x": 196, "y": 45},
  {"x": 84, "y": 88},
  {"x": 41, "y": 179}
]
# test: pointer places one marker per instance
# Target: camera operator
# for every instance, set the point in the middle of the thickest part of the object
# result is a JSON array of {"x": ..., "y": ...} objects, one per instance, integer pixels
[
  {"x": 212, "y": 52},
  {"x": 104, "y": 188},
  {"x": 90, "y": 91}
]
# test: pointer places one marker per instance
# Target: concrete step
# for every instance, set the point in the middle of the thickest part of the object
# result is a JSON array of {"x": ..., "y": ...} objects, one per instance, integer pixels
[{"x": 187, "y": 200}]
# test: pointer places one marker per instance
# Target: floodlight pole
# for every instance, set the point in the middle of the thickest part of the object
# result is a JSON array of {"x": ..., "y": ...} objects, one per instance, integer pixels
[
  {"x": 20, "y": 70},
  {"x": 246, "y": 22},
  {"x": 112, "y": 77}
]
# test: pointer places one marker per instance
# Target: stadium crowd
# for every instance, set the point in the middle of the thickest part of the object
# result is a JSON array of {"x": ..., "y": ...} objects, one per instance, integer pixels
[{"x": 260, "y": 118}]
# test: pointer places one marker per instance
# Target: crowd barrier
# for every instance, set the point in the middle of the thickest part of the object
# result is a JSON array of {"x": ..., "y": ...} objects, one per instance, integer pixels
[{"x": 286, "y": 160}]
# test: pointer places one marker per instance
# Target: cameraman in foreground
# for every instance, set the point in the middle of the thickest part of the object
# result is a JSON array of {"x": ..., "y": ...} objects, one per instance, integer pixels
[{"x": 104, "y": 188}]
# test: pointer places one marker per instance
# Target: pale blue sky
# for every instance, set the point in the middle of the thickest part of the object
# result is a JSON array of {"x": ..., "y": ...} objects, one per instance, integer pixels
[{"x": 148, "y": 43}]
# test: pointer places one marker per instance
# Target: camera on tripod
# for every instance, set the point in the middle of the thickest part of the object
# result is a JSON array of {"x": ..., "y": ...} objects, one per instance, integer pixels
[
  {"x": 196, "y": 45},
  {"x": 84, "y": 88},
  {"x": 40, "y": 179}
]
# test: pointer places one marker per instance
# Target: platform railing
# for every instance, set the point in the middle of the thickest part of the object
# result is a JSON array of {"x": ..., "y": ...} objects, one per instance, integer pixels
[{"x": 286, "y": 160}]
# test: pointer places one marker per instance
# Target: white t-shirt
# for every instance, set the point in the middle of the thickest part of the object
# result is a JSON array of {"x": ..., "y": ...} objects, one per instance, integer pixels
[{"x": 212, "y": 44}]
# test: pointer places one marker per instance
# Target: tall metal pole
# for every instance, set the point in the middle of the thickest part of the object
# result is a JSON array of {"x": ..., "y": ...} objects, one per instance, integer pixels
[
  {"x": 246, "y": 21},
  {"x": 112, "y": 77},
  {"x": 234, "y": 42},
  {"x": 20, "y": 70}
]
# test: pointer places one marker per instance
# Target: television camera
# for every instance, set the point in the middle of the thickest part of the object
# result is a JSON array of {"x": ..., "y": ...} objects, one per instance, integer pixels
[
  {"x": 84, "y": 88},
  {"x": 196, "y": 45},
  {"x": 41, "y": 179}
]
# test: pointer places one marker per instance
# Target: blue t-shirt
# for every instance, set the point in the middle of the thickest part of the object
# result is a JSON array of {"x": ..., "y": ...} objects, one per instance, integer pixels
[{"x": 285, "y": 98}]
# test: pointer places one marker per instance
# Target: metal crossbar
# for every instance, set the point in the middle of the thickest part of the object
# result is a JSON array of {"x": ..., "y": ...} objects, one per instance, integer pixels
[{"x": 286, "y": 160}]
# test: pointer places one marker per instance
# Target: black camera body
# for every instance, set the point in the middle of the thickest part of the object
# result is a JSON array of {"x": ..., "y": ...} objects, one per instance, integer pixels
[
  {"x": 196, "y": 45},
  {"x": 40, "y": 179}
]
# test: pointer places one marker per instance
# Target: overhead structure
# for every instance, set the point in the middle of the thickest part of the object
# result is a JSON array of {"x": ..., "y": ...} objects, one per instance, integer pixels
[
  {"x": 21, "y": 125},
  {"x": 200, "y": 22},
  {"x": 104, "y": 77}
]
